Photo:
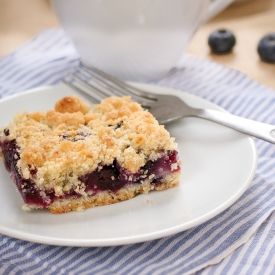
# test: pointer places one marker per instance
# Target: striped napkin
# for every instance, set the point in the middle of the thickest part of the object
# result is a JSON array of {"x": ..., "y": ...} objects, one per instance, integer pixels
[{"x": 240, "y": 240}]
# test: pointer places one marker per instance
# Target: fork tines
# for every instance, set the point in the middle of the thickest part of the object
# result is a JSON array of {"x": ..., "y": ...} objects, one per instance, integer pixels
[{"x": 99, "y": 85}]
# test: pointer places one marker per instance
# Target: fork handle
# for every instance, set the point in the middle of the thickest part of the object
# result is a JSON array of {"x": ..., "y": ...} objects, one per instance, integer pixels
[{"x": 251, "y": 127}]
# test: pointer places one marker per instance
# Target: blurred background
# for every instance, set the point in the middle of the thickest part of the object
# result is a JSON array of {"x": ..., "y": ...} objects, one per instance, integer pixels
[{"x": 249, "y": 20}]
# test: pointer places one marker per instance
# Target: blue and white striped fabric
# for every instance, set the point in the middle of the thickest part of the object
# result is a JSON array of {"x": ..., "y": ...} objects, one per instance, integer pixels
[{"x": 240, "y": 240}]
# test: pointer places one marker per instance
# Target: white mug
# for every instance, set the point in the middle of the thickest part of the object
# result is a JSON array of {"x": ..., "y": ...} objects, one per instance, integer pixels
[{"x": 137, "y": 40}]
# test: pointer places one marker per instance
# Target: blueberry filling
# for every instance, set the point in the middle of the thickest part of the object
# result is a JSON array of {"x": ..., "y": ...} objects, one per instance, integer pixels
[
  {"x": 119, "y": 125},
  {"x": 114, "y": 177},
  {"x": 27, "y": 188},
  {"x": 78, "y": 137},
  {"x": 108, "y": 178}
]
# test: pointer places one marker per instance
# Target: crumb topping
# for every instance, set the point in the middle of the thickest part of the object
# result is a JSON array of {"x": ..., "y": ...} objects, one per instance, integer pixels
[
  {"x": 71, "y": 104},
  {"x": 74, "y": 139}
]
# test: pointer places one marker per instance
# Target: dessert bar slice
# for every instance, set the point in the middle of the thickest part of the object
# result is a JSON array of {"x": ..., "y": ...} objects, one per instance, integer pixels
[{"x": 75, "y": 157}]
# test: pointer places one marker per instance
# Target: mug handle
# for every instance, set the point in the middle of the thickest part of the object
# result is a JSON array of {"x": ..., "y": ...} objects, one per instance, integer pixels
[{"x": 215, "y": 7}]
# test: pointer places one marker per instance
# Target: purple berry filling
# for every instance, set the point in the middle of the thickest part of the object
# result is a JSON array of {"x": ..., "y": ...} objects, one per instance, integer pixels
[{"x": 112, "y": 177}]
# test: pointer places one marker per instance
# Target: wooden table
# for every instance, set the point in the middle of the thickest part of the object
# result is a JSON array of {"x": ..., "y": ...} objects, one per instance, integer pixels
[
  {"x": 249, "y": 21},
  {"x": 22, "y": 19}
]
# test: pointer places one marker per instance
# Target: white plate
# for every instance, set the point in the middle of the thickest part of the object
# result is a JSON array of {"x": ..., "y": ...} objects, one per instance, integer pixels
[{"x": 218, "y": 165}]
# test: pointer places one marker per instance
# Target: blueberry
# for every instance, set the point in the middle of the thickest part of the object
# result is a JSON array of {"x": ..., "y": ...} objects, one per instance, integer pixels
[
  {"x": 266, "y": 48},
  {"x": 6, "y": 132},
  {"x": 221, "y": 41}
]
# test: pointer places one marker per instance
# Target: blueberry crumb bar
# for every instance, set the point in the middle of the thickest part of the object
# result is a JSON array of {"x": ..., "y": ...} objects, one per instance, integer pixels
[{"x": 76, "y": 156}]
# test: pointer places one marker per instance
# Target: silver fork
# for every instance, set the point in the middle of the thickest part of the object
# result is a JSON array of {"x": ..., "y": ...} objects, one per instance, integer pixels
[{"x": 165, "y": 108}]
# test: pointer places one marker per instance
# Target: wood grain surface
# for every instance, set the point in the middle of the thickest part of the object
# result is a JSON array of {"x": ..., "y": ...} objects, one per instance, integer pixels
[{"x": 249, "y": 21}]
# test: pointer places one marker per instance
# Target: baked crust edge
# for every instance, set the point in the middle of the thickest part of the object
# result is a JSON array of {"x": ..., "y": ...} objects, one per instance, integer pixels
[{"x": 60, "y": 206}]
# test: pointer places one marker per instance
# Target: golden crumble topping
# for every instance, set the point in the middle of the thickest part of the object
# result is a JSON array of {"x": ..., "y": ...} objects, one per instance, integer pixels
[{"x": 74, "y": 139}]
